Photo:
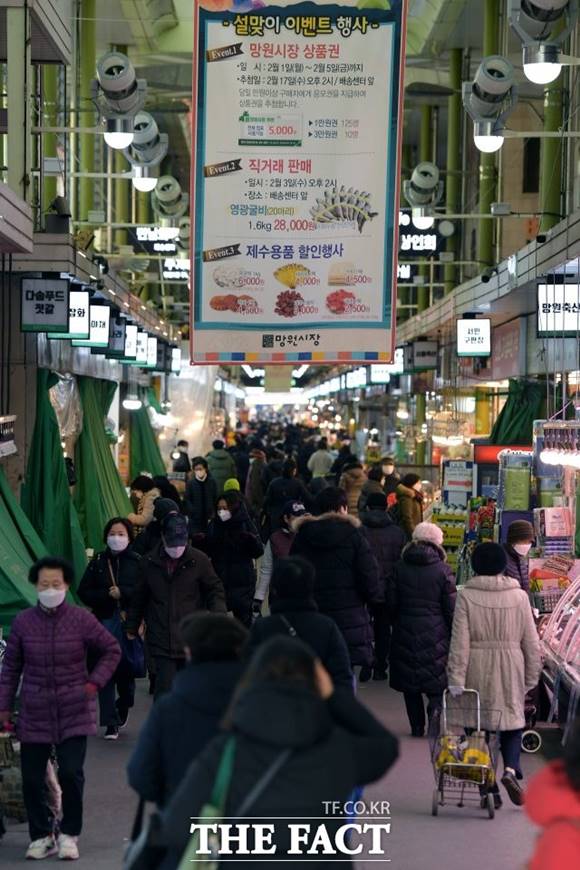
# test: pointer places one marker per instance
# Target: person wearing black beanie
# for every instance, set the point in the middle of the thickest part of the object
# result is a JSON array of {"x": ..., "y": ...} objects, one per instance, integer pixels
[
  {"x": 495, "y": 649},
  {"x": 520, "y": 537}
]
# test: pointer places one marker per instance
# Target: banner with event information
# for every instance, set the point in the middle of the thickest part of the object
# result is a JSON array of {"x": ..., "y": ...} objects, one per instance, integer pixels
[{"x": 296, "y": 132}]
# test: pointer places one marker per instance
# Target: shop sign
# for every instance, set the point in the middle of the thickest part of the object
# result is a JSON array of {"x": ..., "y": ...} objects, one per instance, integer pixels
[
  {"x": 100, "y": 318},
  {"x": 458, "y": 485},
  {"x": 356, "y": 378},
  {"x": 154, "y": 240},
  {"x": 131, "y": 341},
  {"x": 420, "y": 356},
  {"x": 380, "y": 374},
  {"x": 176, "y": 269},
  {"x": 474, "y": 337},
  {"x": 7, "y": 443},
  {"x": 117, "y": 337},
  {"x": 558, "y": 310},
  {"x": 45, "y": 305},
  {"x": 296, "y": 129},
  {"x": 151, "y": 352},
  {"x": 176, "y": 360},
  {"x": 417, "y": 243},
  {"x": 507, "y": 346},
  {"x": 78, "y": 314},
  {"x": 141, "y": 347}
]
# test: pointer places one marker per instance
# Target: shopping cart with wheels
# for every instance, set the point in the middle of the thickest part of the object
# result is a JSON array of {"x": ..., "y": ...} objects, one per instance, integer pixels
[{"x": 464, "y": 744}]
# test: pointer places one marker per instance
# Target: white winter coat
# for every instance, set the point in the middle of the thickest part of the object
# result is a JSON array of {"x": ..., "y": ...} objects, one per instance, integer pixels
[{"x": 495, "y": 648}]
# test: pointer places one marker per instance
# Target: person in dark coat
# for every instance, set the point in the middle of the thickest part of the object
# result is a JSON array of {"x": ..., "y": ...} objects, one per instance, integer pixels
[
  {"x": 373, "y": 485},
  {"x": 391, "y": 478},
  {"x": 255, "y": 491},
  {"x": 410, "y": 503},
  {"x": 47, "y": 650},
  {"x": 107, "y": 586},
  {"x": 175, "y": 580},
  {"x": 233, "y": 543},
  {"x": 221, "y": 465},
  {"x": 282, "y": 490},
  {"x": 187, "y": 718},
  {"x": 520, "y": 538},
  {"x": 386, "y": 540},
  {"x": 347, "y": 575},
  {"x": 181, "y": 463},
  {"x": 294, "y": 612},
  {"x": 150, "y": 537},
  {"x": 421, "y": 599},
  {"x": 201, "y": 495},
  {"x": 278, "y": 547},
  {"x": 241, "y": 456},
  {"x": 167, "y": 490},
  {"x": 345, "y": 456},
  {"x": 287, "y": 710}
]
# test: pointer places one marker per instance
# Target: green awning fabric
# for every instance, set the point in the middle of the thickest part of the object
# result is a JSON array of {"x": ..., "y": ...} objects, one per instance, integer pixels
[
  {"x": 99, "y": 494},
  {"x": 46, "y": 497},
  {"x": 153, "y": 401},
  {"x": 524, "y": 404},
  {"x": 20, "y": 546},
  {"x": 145, "y": 454}
]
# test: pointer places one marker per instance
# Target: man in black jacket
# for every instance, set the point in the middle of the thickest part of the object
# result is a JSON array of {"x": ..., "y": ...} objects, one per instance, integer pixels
[
  {"x": 520, "y": 538},
  {"x": 347, "y": 575},
  {"x": 175, "y": 580},
  {"x": 386, "y": 540},
  {"x": 184, "y": 720},
  {"x": 200, "y": 497}
]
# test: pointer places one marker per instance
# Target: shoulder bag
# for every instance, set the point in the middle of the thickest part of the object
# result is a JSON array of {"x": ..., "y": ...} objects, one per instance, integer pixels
[{"x": 133, "y": 651}]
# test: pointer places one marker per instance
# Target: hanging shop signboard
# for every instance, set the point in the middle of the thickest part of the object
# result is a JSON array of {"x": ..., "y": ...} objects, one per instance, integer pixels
[
  {"x": 141, "y": 358},
  {"x": 420, "y": 356},
  {"x": 7, "y": 443},
  {"x": 78, "y": 314},
  {"x": 176, "y": 360},
  {"x": 117, "y": 338},
  {"x": 100, "y": 317},
  {"x": 474, "y": 337},
  {"x": 380, "y": 374},
  {"x": 296, "y": 131},
  {"x": 509, "y": 344},
  {"x": 458, "y": 482},
  {"x": 45, "y": 305},
  {"x": 154, "y": 240},
  {"x": 131, "y": 341},
  {"x": 558, "y": 310},
  {"x": 151, "y": 352},
  {"x": 416, "y": 243}
]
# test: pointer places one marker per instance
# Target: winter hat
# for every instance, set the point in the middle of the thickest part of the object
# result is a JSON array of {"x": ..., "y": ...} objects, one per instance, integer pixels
[
  {"x": 231, "y": 484},
  {"x": 489, "y": 559},
  {"x": 520, "y": 530},
  {"x": 162, "y": 507},
  {"x": 428, "y": 533},
  {"x": 293, "y": 509},
  {"x": 377, "y": 501},
  {"x": 174, "y": 528}
]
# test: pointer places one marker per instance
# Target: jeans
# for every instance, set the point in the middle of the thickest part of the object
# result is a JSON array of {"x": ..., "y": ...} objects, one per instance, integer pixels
[
  {"x": 165, "y": 671},
  {"x": 122, "y": 686},
  {"x": 382, "y": 633},
  {"x": 70, "y": 755},
  {"x": 510, "y": 743},
  {"x": 416, "y": 709}
]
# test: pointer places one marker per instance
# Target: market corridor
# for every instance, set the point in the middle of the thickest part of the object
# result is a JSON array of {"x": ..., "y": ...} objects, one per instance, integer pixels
[{"x": 457, "y": 839}]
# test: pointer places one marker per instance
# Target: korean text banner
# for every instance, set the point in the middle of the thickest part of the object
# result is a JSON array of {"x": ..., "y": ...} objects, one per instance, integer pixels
[{"x": 295, "y": 188}]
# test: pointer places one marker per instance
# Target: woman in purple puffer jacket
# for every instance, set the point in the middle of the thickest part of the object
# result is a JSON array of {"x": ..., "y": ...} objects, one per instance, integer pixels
[{"x": 48, "y": 648}]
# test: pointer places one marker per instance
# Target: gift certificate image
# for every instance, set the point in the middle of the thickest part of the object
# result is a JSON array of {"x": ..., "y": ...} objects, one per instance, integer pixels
[{"x": 296, "y": 181}]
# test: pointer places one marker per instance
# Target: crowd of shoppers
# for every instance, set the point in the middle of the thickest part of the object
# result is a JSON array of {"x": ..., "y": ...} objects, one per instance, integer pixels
[{"x": 284, "y": 577}]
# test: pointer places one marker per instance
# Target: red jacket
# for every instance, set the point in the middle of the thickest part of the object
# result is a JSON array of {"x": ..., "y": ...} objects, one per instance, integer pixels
[{"x": 554, "y": 805}]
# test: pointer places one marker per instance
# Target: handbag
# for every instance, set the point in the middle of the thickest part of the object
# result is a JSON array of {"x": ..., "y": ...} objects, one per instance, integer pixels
[
  {"x": 215, "y": 809},
  {"x": 133, "y": 651}
]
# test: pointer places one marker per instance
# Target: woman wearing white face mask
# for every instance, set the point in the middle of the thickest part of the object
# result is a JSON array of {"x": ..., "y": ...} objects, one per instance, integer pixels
[
  {"x": 520, "y": 538},
  {"x": 48, "y": 648},
  {"x": 107, "y": 587}
]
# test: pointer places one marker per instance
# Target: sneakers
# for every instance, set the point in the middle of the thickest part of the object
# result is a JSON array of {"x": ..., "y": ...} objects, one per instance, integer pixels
[
  {"x": 513, "y": 788},
  {"x": 68, "y": 849},
  {"x": 43, "y": 848},
  {"x": 122, "y": 714},
  {"x": 112, "y": 732}
]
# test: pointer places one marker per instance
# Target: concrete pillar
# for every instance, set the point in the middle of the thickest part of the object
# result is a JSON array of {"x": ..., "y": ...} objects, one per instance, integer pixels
[
  {"x": 425, "y": 154},
  {"x": 49, "y": 119},
  {"x": 122, "y": 190},
  {"x": 19, "y": 89},
  {"x": 87, "y": 65},
  {"x": 420, "y": 419},
  {"x": 453, "y": 177},
  {"x": 487, "y": 162}
]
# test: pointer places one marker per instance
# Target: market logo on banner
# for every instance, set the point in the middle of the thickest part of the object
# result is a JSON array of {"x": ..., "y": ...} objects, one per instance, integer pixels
[{"x": 295, "y": 200}]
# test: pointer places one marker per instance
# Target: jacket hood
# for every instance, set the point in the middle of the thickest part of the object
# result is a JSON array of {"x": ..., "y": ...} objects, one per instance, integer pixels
[
  {"x": 355, "y": 475},
  {"x": 208, "y": 686},
  {"x": 409, "y": 493},
  {"x": 288, "y": 716},
  {"x": 219, "y": 456},
  {"x": 482, "y": 585},
  {"x": 375, "y": 519},
  {"x": 327, "y": 530},
  {"x": 417, "y": 553},
  {"x": 550, "y": 797}
]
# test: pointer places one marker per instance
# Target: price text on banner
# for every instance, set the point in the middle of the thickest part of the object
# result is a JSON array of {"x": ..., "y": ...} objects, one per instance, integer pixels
[{"x": 295, "y": 189}]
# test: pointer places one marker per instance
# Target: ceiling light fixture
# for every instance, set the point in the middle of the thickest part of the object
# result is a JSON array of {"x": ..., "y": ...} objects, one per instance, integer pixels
[
  {"x": 118, "y": 95},
  {"x": 542, "y": 27},
  {"x": 488, "y": 100}
]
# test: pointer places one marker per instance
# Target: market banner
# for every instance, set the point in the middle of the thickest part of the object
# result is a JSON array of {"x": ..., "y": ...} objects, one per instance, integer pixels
[{"x": 296, "y": 133}]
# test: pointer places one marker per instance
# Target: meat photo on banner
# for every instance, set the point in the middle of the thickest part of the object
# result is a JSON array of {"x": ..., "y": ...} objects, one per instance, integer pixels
[{"x": 296, "y": 128}]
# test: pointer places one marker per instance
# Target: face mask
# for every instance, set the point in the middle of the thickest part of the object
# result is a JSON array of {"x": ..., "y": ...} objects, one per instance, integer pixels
[
  {"x": 224, "y": 515},
  {"x": 201, "y": 475},
  {"x": 522, "y": 549},
  {"x": 117, "y": 543},
  {"x": 388, "y": 469},
  {"x": 175, "y": 552},
  {"x": 51, "y": 597}
]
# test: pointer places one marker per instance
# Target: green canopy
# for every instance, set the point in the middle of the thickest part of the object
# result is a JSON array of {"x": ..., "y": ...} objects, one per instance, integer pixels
[
  {"x": 525, "y": 403},
  {"x": 144, "y": 449},
  {"x": 153, "y": 401},
  {"x": 46, "y": 497},
  {"x": 20, "y": 546},
  {"x": 99, "y": 494}
]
